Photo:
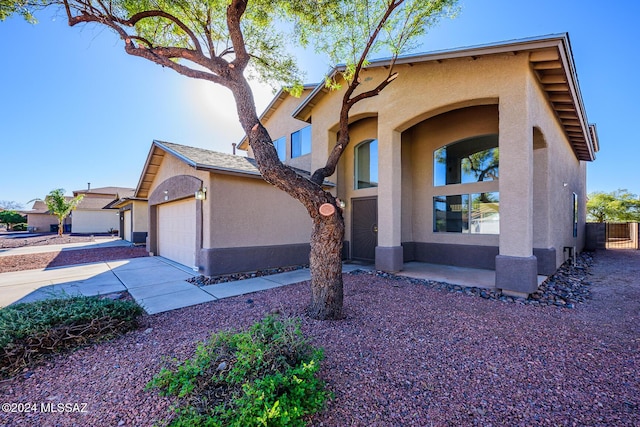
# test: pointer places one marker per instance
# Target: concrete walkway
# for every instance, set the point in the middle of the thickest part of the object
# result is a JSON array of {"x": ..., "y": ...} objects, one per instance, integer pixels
[{"x": 157, "y": 284}]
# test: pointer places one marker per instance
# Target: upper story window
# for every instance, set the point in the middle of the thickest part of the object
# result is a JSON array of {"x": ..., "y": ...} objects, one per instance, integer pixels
[
  {"x": 366, "y": 164},
  {"x": 469, "y": 160},
  {"x": 281, "y": 148},
  {"x": 301, "y": 142}
]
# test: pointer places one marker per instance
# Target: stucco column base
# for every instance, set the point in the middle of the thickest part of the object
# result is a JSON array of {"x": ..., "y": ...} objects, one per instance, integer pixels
[
  {"x": 517, "y": 276},
  {"x": 389, "y": 259}
]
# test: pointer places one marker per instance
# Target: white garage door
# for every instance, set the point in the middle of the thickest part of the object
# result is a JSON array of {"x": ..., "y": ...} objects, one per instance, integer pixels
[
  {"x": 177, "y": 232},
  {"x": 126, "y": 225}
]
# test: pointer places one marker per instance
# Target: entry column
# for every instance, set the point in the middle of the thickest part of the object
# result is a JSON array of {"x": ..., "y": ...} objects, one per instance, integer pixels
[
  {"x": 516, "y": 266},
  {"x": 389, "y": 255}
]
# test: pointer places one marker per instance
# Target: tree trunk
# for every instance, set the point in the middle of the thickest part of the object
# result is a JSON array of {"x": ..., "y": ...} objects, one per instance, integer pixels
[
  {"x": 60, "y": 227},
  {"x": 326, "y": 267},
  {"x": 328, "y": 231}
]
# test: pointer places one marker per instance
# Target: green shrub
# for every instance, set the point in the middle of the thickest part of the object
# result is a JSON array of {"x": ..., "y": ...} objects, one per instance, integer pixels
[
  {"x": 265, "y": 376},
  {"x": 29, "y": 331},
  {"x": 19, "y": 227}
]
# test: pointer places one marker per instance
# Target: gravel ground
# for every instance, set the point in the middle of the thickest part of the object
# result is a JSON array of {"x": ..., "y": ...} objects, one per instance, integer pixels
[
  {"x": 20, "y": 241},
  {"x": 405, "y": 355},
  {"x": 60, "y": 258}
]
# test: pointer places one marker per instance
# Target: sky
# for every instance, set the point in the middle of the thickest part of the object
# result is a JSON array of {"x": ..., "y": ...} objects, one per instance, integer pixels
[{"x": 76, "y": 109}]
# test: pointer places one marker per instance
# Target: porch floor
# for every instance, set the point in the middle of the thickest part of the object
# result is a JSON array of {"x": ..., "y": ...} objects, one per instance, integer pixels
[{"x": 461, "y": 276}]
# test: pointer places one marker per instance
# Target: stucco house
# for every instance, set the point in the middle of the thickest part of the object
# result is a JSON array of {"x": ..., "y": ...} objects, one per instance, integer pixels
[
  {"x": 134, "y": 219},
  {"x": 472, "y": 157},
  {"x": 39, "y": 219},
  {"x": 213, "y": 212},
  {"x": 95, "y": 213}
]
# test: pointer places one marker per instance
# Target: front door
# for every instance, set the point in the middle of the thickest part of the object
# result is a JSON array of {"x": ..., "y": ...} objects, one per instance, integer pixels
[{"x": 364, "y": 228}]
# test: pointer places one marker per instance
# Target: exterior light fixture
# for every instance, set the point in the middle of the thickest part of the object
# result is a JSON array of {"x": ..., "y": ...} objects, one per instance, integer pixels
[{"x": 201, "y": 194}]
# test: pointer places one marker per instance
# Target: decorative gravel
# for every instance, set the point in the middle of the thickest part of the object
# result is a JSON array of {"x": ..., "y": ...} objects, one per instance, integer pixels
[
  {"x": 224, "y": 278},
  {"x": 568, "y": 286},
  {"x": 22, "y": 240},
  {"x": 406, "y": 354},
  {"x": 72, "y": 257}
]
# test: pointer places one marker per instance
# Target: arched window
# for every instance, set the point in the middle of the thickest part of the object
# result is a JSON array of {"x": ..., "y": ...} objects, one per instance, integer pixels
[
  {"x": 366, "y": 164},
  {"x": 469, "y": 160}
]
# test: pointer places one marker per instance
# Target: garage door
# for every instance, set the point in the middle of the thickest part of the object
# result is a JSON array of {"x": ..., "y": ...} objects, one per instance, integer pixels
[
  {"x": 126, "y": 222},
  {"x": 177, "y": 232}
]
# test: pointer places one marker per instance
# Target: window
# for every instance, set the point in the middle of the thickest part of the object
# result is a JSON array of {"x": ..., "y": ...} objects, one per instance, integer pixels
[
  {"x": 301, "y": 142},
  {"x": 467, "y": 213},
  {"x": 281, "y": 148},
  {"x": 574, "y": 197},
  {"x": 366, "y": 164},
  {"x": 470, "y": 160},
  {"x": 451, "y": 213}
]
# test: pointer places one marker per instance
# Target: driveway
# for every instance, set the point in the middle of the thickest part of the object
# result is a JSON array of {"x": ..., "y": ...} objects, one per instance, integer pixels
[{"x": 156, "y": 283}]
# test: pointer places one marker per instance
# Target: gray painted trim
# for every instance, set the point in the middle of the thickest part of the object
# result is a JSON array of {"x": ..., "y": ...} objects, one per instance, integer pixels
[
  {"x": 389, "y": 258},
  {"x": 546, "y": 260},
  {"x": 517, "y": 275},
  {"x": 139, "y": 237},
  {"x": 216, "y": 261},
  {"x": 471, "y": 256}
]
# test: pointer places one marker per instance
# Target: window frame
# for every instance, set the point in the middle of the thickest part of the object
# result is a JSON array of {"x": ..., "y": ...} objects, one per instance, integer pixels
[
  {"x": 439, "y": 167},
  {"x": 467, "y": 211},
  {"x": 298, "y": 151},
  {"x": 281, "y": 143},
  {"x": 356, "y": 164}
]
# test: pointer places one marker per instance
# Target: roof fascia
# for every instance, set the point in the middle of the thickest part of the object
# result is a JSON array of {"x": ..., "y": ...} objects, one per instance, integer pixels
[{"x": 440, "y": 55}]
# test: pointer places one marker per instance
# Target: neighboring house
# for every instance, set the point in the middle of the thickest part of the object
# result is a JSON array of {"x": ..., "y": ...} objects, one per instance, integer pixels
[
  {"x": 134, "y": 219},
  {"x": 40, "y": 220},
  {"x": 214, "y": 212},
  {"x": 95, "y": 213},
  {"x": 472, "y": 157}
]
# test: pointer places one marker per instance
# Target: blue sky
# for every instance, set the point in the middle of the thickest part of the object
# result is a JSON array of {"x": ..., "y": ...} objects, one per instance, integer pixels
[{"x": 76, "y": 109}]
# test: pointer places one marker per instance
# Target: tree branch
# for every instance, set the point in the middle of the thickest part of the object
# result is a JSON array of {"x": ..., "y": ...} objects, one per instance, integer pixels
[
  {"x": 348, "y": 101},
  {"x": 235, "y": 10}
]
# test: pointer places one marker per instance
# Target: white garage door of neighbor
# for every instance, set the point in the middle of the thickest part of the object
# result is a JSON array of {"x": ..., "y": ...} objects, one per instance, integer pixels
[
  {"x": 177, "y": 232},
  {"x": 127, "y": 225}
]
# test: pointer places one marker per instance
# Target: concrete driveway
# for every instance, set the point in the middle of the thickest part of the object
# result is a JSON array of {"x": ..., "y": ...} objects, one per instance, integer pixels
[{"x": 156, "y": 283}]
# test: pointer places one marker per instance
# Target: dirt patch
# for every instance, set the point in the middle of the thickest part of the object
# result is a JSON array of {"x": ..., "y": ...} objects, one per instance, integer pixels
[
  {"x": 405, "y": 355},
  {"x": 68, "y": 257}
]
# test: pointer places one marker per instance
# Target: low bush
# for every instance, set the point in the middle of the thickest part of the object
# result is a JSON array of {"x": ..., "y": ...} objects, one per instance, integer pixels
[
  {"x": 30, "y": 331},
  {"x": 265, "y": 376},
  {"x": 19, "y": 227}
]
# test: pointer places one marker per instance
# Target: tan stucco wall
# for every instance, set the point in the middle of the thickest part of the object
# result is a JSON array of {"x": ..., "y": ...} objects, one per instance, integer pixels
[
  {"x": 43, "y": 222},
  {"x": 170, "y": 167},
  {"x": 532, "y": 196},
  {"x": 419, "y": 143},
  {"x": 250, "y": 212},
  {"x": 553, "y": 214},
  {"x": 95, "y": 221},
  {"x": 409, "y": 100},
  {"x": 359, "y": 131},
  {"x": 140, "y": 216},
  {"x": 242, "y": 211},
  {"x": 282, "y": 124}
]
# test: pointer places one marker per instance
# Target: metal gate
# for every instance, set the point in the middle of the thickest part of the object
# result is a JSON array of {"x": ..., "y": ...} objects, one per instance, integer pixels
[{"x": 622, "y": 235}]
